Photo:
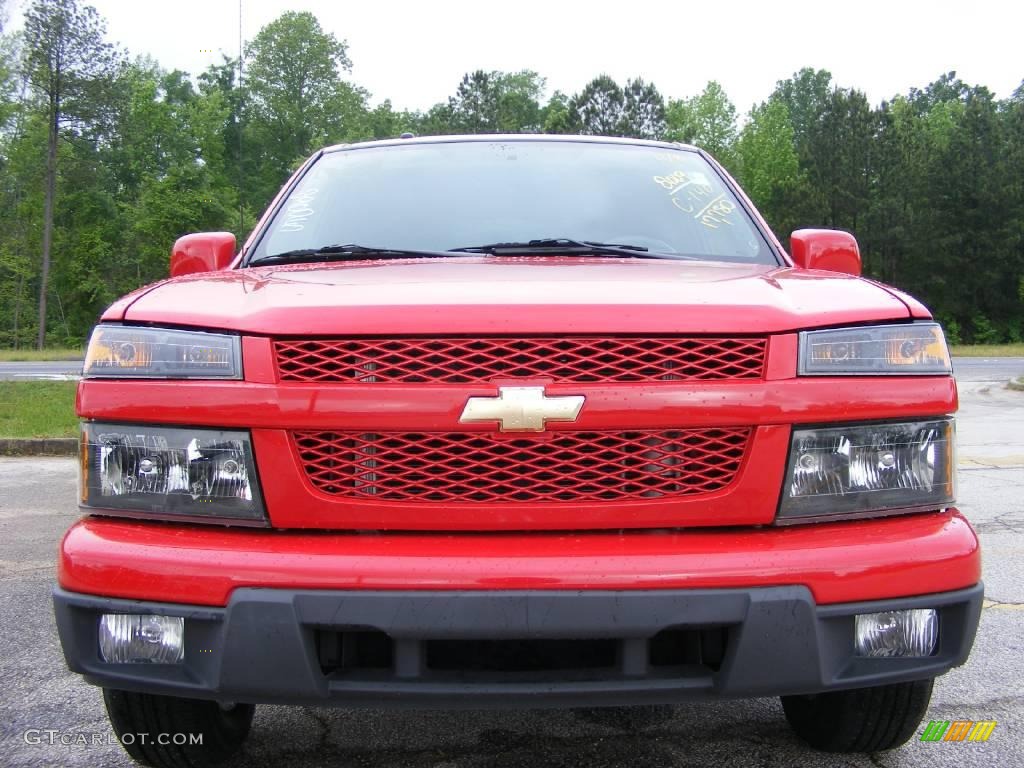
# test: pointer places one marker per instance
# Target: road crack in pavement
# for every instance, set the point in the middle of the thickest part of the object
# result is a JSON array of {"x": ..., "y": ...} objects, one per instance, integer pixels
[
  {"x": 1002, "y": 605},
  {"x": 968, "y": 464},
  {"x": 324, "y": 726},
  {"x": 1005, "y": 523}
]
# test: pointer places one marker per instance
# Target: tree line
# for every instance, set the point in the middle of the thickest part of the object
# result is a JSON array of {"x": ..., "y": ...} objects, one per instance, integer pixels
[{"x": 105, "y": 159}]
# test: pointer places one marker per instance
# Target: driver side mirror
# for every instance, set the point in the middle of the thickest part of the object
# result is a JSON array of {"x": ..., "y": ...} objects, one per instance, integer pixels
[
  {"x": 202, "y": 252},
  {"x": 827, "y": 249}
]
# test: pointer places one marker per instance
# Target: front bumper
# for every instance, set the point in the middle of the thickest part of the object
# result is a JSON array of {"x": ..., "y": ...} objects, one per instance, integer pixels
[
  {"x": 268, "y": 645},
  {"x": 838, "y": 562}
]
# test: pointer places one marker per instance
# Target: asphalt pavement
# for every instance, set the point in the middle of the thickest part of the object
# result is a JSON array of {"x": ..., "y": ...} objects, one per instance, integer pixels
[
  {"x": 58, "y": 370},
  {"x": 37, "y": 503},
  {"x": 992, "y": 369}
]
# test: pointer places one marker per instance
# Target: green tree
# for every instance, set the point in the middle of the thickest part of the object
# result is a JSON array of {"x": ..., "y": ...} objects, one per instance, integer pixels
[
  {"x": 557, "y": 117},
  {"x": 769, "y": 168},
  {"x": 474, "y": 107},
  {"x": 805, "y": 95},
  {"x": 943, "y": 197},
  {"x": 889, "y": 219},
  {"x": 22, "y": 179},
  {"x": 383, "y": 122},
  {"x": 436, "y": 121},
  {"x": 1013, "y": 159},
  {"x": 519, "y": 96},
  {"x": 837, "y": 158},
  {"x": 497, "y": 102},
  {"x": 707, "y": 120},
  {"x": 218, "y": 85},
  {"x": 170, "y": 166},
  {"x": 296, "y": 100},
  {"x": 971, "y": 192},
  {"x": 68, "y": 63},
  {"x": 8, "y": 65},
  {"x": 643, "y": 111},
  {"x": 598, "y": 108}
]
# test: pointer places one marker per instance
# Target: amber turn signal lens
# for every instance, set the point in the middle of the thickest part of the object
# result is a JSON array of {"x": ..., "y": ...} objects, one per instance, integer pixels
[
  {"x": 121, "y": 351},
  {"x": 908, "y": 349}
]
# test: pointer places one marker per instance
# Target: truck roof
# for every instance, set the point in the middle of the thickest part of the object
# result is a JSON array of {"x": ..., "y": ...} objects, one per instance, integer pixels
[{"x": 505, "y": 137}]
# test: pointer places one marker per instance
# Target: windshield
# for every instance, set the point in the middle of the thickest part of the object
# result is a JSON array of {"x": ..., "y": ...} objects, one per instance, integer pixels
[{"x": 448, "y": 195}]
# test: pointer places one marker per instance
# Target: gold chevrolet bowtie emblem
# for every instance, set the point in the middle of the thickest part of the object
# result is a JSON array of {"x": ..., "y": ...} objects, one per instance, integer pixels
[{"x": 522, "y": 409}]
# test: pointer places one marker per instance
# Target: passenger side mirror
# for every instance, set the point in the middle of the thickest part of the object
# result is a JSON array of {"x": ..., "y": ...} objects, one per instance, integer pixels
[
  {"x": 202, "y": 252},
  {"x": 827, "y": 249}
]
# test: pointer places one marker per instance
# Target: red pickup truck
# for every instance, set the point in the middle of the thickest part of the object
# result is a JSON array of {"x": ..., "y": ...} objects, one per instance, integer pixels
[{"x": 522, "y": 421}]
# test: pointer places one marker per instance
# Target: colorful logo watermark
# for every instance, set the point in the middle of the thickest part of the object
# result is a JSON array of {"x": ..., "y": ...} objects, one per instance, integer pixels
[{"x": 958, "y": 730}]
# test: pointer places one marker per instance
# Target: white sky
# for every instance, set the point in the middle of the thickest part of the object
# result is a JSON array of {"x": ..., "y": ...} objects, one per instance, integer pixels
[{"x": 415, "y": 52}]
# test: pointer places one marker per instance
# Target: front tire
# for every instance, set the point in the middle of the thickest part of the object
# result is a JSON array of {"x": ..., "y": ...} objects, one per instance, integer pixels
[
  {"x": 166, "y": 718},
  {"x": 859, "y": 720}
]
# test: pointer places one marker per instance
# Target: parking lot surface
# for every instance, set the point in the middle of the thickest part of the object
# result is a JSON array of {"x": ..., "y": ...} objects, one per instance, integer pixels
[{"x": 42, "y": 702}]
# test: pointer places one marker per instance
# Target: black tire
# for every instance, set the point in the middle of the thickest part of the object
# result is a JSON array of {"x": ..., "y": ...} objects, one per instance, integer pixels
[
  {"x": 223, "y": 729},
  {"x": 859, "y": 720}
]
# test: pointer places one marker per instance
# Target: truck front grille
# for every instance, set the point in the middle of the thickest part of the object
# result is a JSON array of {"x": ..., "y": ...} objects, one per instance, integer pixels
[
  {"x": 467, "y": 361},
  {"x": 555, "y": 467}
]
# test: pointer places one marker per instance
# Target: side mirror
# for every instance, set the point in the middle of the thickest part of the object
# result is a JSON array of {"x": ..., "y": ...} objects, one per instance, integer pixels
[
  {"x": 203, "y": 252},
  {"x": 827, "y": 249}
]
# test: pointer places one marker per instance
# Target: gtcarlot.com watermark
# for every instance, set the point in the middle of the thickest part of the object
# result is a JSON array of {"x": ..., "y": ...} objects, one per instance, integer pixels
[{"x": 53, "y": 737}]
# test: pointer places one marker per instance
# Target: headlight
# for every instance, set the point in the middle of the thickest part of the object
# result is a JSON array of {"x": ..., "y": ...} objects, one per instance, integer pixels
[
  {"x": 869, "y": 468},
  {"x": 118, "y": 351},
  {"x": 914, "y": 348},
  {"x": 173, "y": 472}
]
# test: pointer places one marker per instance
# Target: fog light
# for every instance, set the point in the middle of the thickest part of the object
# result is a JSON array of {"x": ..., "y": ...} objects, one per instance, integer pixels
[
  {"x": 129, "y": 638},
  {"x": 897, "y": 633}
]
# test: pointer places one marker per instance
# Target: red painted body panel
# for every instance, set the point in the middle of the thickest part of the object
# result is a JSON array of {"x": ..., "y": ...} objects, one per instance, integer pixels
[
  {"x": 492, "y": 295},
  {"x": 826, "y": 249},
  {"x": 437, "y": 407},
  {"x": 115, "y": 312},
  {"x": 917, "y": 310},
  {"x": 838, "y": 562},
  {"x": 204, "y": 252}
]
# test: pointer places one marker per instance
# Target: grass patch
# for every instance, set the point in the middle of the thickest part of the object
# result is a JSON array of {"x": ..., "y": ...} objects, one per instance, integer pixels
[
  {"x": 987, "y": 350},
  {"x": 40, "y": 355},
  {"x": 38, "y": 409},
  {"x": 1016, "y": 384}
]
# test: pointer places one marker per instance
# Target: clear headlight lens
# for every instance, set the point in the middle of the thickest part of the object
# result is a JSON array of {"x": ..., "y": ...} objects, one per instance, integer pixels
[
  {"x": 865, "y": 468},
  {"x": 122, "y": 351},
  {"x": 913, "y": 348},
  {"x": 170, "y": 472}
]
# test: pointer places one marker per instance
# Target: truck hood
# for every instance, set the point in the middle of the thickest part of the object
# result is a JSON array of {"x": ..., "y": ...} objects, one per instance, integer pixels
[{"x": 475, "y": 295}]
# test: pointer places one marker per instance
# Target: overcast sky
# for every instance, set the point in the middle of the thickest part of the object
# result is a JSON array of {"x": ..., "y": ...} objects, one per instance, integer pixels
[{"x": 416, "y": 52}]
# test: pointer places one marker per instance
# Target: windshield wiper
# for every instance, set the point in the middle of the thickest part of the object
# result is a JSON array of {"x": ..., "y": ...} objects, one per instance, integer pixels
[
  {"x": 562, "y": 245},
  {"x": 565, "y": 245},
  {"x": 340, "y": 252}
]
